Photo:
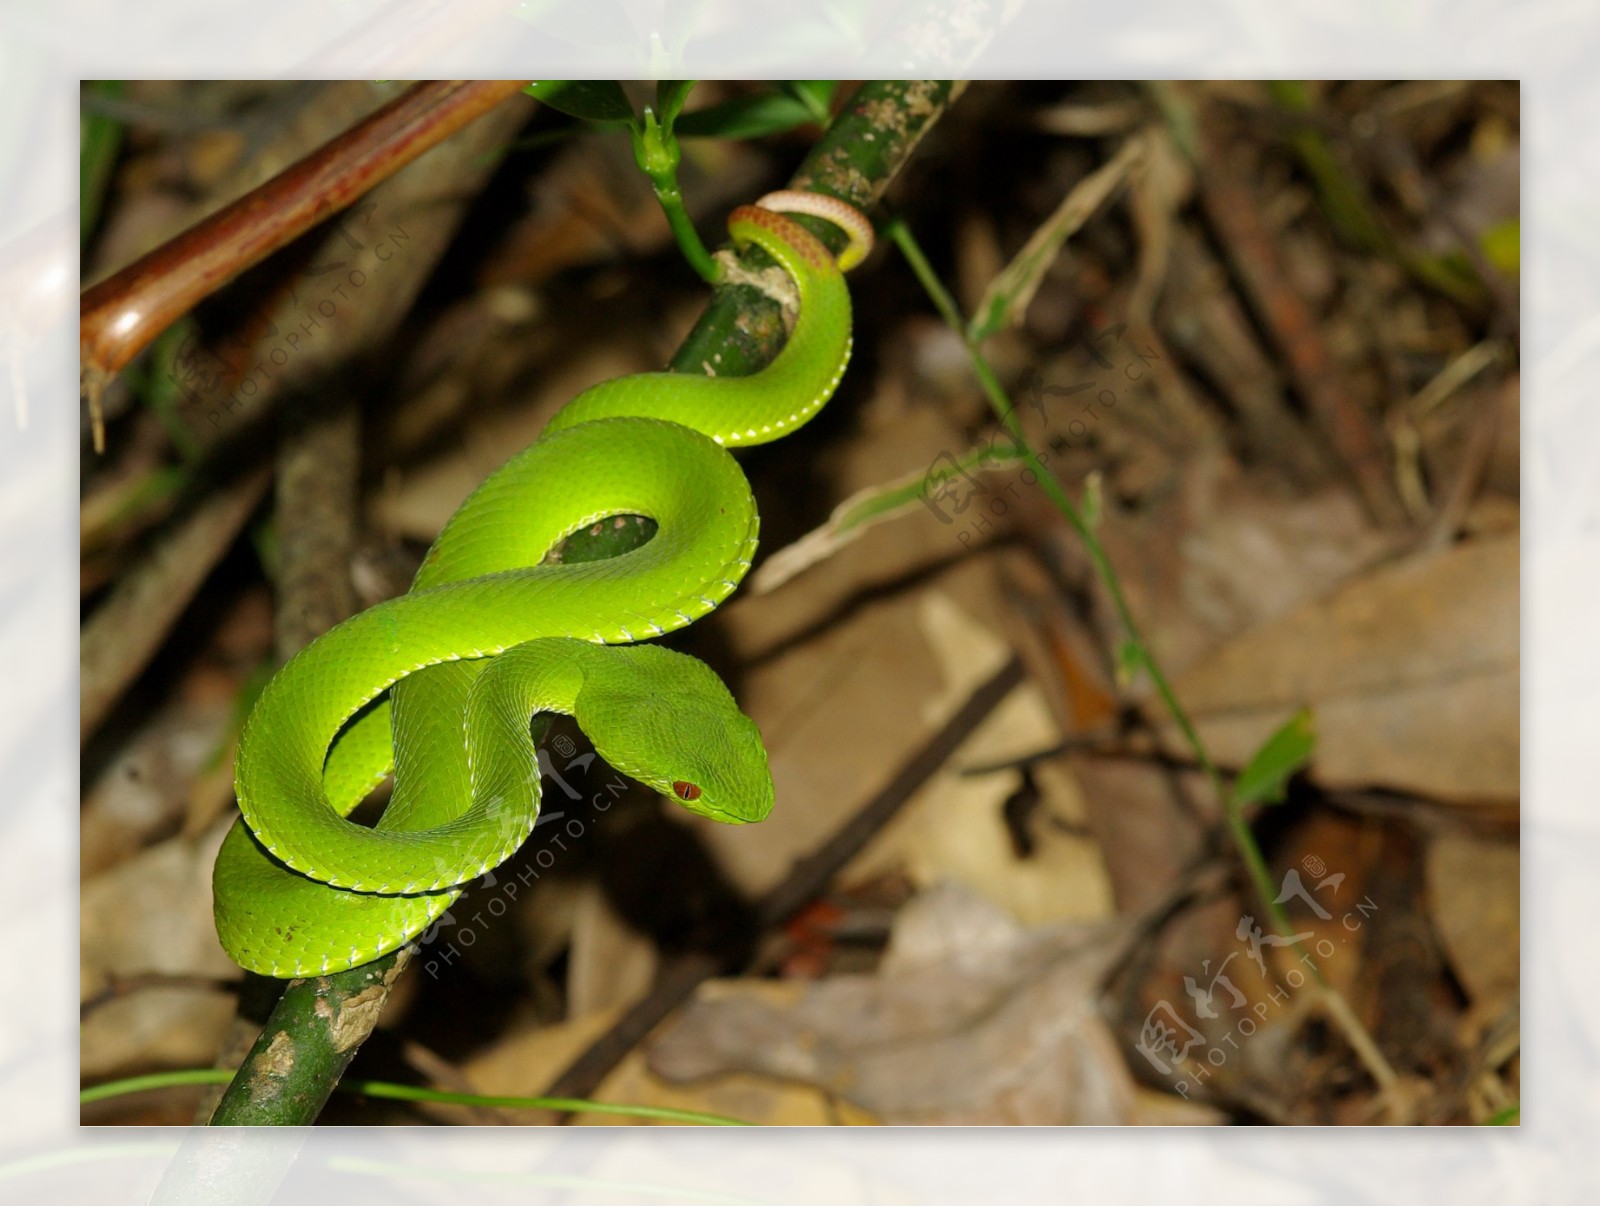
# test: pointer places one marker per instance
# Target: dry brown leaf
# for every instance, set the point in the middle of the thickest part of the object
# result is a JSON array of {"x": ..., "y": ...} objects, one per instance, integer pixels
[
  {"x": 172, "y": 763},
  {"x": 529, "y": 1059},
  {"x": 155, "y": 1028},
  {"x": 153, "y": 914},
  {"x": 970, "y": 1019},
  {"x": 1412, "y": 672},
  {"x": 1475, "y": 884},
  {"x": 954, "y": 828},
  {"x": 1225, "y": 552}
]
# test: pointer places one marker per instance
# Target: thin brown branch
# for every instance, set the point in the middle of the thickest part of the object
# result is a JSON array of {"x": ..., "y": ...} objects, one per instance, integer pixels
[
  {"x": 1483, "y": 430},
  {"x": 122, "y": 314},
  {"x": 1234, "y": 211},
  {"x": 125, "y": 631},
  {"x": 319, "y": 465},
  {"x": 319, "y": 469}
]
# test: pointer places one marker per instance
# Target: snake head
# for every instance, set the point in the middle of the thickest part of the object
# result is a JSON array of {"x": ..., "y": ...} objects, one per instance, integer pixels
[
  {"x": 667, "y": 720},
  {"x": 728, "y": 780}
]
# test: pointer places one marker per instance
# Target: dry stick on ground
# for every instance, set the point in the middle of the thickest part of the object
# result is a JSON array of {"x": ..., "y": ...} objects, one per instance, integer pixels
[
  {"x": 124, "y": 633},
  {"x": 1208, "y": 325},
  {"x": 1483, "y": 429},
  {"x": 317, "y": 1027},
  {"x": 1234, "y": 211},
  {"x": 121, "y": 315},
  {"x": 319, "y": 467}
]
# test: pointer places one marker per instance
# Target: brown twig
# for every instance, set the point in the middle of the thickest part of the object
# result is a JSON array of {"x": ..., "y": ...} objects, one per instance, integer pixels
[
  {"x": 125, "y": 631},
  {"x": 319, "y": 470},
  {"x": 1209, "y": 327},
  {"x": 122, "y": 314},
  {"x": 318, "y": 474},
  {"x": 1234, "y": 211},
  {"x": 1483, "y": 430}
]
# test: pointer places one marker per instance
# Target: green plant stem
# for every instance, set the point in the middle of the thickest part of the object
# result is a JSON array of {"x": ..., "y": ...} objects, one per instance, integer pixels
[
  {"x": 396, "y": 1092},
  {"x": 152, "y": 1081},
  {"x": 408, "y": 1093},
  {"x": 1000, "y": 402},
  {"x": 689, "y": 242},
  {"x": 657, "y": 153},
  {"x": 1244, "y": 839}
]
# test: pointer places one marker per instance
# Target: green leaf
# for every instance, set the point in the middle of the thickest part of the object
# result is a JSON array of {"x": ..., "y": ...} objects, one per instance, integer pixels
[
  {"x": 815, "y": 95},
  {"x": 1009, "y": 293},
  {"x": 746, "y": 117},
  {"x": 1502, "y": 243},
  {"x": 670, "y": 98},
  {"x": 1280, "y": 756},
  {"x": 591, "y": 100}
]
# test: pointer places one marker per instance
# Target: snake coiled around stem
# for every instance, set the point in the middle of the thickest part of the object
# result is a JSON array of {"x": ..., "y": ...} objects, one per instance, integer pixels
[{"x": 438, "y": 685}]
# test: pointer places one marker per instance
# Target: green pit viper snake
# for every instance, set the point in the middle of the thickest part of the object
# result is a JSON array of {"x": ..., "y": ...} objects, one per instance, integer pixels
[{"x": 438, "y": 685}]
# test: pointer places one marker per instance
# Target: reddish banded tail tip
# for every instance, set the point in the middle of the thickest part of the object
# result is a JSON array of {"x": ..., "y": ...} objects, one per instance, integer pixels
[
  {"x": 840, "y": 213},
  {"x": 807, "y": 245}
]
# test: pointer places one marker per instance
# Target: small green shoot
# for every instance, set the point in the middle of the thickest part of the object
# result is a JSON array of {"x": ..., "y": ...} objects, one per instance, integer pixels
[{"x": 1265, "y": 778}]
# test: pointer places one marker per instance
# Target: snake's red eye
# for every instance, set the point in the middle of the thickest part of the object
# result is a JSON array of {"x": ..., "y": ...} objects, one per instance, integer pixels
[{"x": 686, "y": 790}]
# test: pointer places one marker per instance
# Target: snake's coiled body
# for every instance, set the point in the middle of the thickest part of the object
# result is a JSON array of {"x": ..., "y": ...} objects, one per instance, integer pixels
[{"x": 439, "y": 683}]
